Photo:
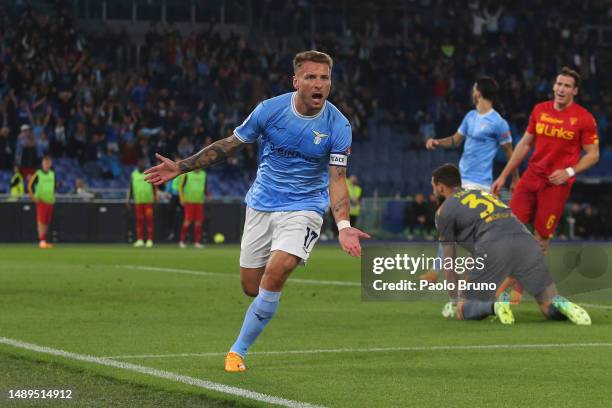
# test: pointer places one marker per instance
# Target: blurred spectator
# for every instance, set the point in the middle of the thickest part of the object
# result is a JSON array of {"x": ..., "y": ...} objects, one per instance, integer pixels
[
  {"x": 427, "y": 130},
  {"x": 42, "y": 143},
  {"x": 417, "y": 214},
  {"x": 109, "y": 164},
  {"x": 6, "y": 149},
  {"x": 250, "y": 160},
  {"x": 17, "y": 185},
  {"x": 185, "y": 148},
  {"x": 81, "y": 190},
  {"x": 585, "y": 220},
  {"x": 28, "y": 156},
  {"x": 432, "y": 207},
  {"x": 588, "y": 225},
  {"x": 59, "y": 141}
]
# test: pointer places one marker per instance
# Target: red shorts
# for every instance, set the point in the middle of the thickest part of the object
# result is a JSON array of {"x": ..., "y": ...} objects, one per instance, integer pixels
[
  {"x": 538, "y": 202},
  {"x": 194, "y": 212},
  {"x": 44, "y": 212},
  {"x": 143, "y": 210}
]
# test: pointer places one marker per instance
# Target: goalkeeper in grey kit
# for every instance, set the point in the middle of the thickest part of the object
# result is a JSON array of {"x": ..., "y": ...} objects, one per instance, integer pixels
[{"x": 485, "y": 226}]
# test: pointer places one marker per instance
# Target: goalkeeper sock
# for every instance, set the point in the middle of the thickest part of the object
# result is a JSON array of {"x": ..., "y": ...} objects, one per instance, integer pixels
[
  {"x": 555, "y": 314},
  {"x": 477, "y": 310},
  {"x": 257, "y": 317}
]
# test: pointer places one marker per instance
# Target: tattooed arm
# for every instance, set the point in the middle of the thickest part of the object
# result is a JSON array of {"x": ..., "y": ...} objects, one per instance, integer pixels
[
  {"x": 338, "y": 193},
  {"x": 213, "y": 154},
  {"x": 340, "y": 206}
]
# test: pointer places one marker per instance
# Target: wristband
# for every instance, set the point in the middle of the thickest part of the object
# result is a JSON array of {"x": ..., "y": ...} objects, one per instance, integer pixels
[
  {"x": 344, "y": 224},
  {"x": 570, "y": 171}
]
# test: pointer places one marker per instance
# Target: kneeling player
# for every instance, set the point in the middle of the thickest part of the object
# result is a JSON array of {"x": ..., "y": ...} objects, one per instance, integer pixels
[{"x": 486, "y": 227}]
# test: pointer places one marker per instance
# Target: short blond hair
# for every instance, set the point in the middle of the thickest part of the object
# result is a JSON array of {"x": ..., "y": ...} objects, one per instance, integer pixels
[{"x": 313, "y": 56}]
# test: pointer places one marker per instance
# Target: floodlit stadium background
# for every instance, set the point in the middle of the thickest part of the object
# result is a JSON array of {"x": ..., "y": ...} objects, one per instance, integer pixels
[{"x": 103, "y": 83}]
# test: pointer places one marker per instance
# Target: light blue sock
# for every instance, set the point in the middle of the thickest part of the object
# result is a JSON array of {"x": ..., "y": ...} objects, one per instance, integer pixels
[{"x": 257, "y": 316}]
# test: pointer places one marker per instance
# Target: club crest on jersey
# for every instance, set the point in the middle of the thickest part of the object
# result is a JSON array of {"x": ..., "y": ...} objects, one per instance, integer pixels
[
  {"x": 573, "y": 121},
  {"x": 318, "y": 137}
]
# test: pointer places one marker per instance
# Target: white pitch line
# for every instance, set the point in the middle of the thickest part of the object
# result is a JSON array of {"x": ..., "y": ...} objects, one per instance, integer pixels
[
  {"x": 227, "y": 275},
  {"x": 381, "y": 349},
  {"x": 208, "y": 385}
]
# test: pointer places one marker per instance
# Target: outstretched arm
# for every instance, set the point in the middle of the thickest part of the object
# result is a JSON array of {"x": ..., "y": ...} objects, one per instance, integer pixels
[
  {"x": 340, "y": 206},
  {"x": 448, "y": 142},
  {"x": 213, "y": 154}
]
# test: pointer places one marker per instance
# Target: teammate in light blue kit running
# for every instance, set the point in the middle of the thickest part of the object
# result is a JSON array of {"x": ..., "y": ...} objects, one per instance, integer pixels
[
  {"x": 484, "y": 131},
  {"x": 305, "y": 142}
]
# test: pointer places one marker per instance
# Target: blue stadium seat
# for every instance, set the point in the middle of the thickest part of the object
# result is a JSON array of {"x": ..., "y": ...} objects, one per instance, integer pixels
[
  {"x": 394, "y": 215},
  {"x": 438, "y": 157}
]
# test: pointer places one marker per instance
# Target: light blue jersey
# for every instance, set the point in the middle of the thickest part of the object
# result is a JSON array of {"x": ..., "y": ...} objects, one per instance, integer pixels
[
  {"x": 295, "y": 152},
  {"x": 483, "y": 136}
]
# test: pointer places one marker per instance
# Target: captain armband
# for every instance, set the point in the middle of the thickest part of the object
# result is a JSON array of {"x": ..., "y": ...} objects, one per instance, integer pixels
[{"x": 337, "y": 159}]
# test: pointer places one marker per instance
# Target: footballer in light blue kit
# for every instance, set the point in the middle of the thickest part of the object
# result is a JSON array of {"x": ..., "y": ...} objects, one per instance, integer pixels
[
  {"x": 484, "y": 131},
  {"x": 305, "y": 142},
  {"x": 296, "y": 151}
]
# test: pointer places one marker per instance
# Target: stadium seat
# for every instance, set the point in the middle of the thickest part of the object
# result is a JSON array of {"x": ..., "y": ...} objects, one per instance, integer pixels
[{"x": 394, "y": 216}]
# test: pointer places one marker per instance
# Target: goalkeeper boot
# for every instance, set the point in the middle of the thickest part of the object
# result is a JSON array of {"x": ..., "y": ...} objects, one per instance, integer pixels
[
  {"x": 502, "y": 309},
  {"x": 449, "y": 310},
  {"x": 234, "y": 363},
  {"x": 574, "y": 313}
]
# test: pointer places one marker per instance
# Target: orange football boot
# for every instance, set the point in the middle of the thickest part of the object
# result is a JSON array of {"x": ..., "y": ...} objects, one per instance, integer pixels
[{"x": 234, "y": 363}]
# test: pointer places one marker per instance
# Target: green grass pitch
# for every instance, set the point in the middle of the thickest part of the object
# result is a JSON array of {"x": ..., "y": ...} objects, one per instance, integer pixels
[{"x": 105, "y": 301}]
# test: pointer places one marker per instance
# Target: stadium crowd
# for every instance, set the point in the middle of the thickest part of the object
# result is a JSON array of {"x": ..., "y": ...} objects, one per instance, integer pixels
[{"x": 66, "y": 93}]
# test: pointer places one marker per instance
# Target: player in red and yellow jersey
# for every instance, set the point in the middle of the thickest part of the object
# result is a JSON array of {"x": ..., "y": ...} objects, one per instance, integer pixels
[{"x": 560, "y": 130}]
